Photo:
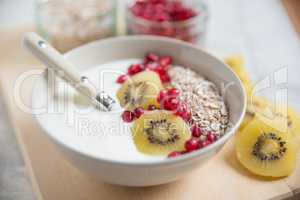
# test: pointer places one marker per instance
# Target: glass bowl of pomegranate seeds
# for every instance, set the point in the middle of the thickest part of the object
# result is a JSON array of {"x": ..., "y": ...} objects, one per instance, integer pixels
[{"x": 181, "y": 19}]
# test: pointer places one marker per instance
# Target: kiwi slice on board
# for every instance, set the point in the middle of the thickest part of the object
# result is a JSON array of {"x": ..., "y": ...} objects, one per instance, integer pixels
[
  {"x": 141, "y": 90},
  {"x": 237, "y": 64},
  {"x": 160, "y": 132},
  {"x": 266, "y": 151}
]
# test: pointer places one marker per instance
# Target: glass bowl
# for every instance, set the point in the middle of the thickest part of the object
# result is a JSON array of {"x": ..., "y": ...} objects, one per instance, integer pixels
[
  {"x": 67, "y": 24},
  {"x": 190, "y": 30}
]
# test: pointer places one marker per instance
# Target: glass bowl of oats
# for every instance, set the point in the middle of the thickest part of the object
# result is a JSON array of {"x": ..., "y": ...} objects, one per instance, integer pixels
[{"x": 67, "y": 24}]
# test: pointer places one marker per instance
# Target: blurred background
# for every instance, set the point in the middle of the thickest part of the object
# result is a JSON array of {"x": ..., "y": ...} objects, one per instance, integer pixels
[{"x": 264, "y": 32}]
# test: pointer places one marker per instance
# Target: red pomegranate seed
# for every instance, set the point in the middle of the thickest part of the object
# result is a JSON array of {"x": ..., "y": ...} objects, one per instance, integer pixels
[
  {"x": 205, "y": 143},
  {"x": 151, "y": 107},
  {"x": 174, "y": 154},
  {"x": 151, "y": 57},
  {"x": 165, "y": 61},
  {"x": 121, "y": 79},
  {"x": 162, "y": 96},
  {"x": 134, "y": 69},
  {"x": 184, "y": 112},
  {"x": 192, "y": 144},
  {"x": 138, "y": 112},
  {"x": 165, "y": 78},
  {"x": 171, "y": 104},
  {"x": 173, "y": 92},
  {"x": 128, "y": 116},
  {"x": 151, "y": 66},
  {"x": 196, "y": 131},
  {"x": 186, "y": 116},
  {"x": 211, "y": 137},
  {"x": 160, "y": 70}
]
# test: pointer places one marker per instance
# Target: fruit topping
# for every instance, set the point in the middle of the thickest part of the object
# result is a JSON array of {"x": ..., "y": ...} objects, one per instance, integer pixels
[
  {"x": 160, "y": 132},
  {"x": 174, "y": 154},
  {"x": 138, "y": 112},
  {"x": 165, "y": 61},
  {"x": 151, "y": 57},
  {"x": 192, "y": 144},
  {"x": 128, "y": 116},
  {"x": 121, "y": 79},
  {"x": 140, "y": 91},
  {"x": 152, "y": 107},
  {"x": 211, "y": 137},
  {"x": 134, "y": 69},
  {"x": 196, "y": 131}
]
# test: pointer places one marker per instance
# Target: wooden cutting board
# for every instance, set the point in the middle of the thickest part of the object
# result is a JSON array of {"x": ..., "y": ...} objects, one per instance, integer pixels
[{"x": 54, "y": 178}]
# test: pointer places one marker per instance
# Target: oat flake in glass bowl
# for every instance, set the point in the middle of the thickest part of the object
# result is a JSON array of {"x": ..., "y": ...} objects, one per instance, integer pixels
[{"x": 68, "y": 24}]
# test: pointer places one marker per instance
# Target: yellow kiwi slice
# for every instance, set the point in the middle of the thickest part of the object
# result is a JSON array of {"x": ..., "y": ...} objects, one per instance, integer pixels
[
  {"x": 294, "y": 124},
  {"x": 141, "y": 90},
  {"x": 160, "y": 132},
  {"x": 282, "y": 117},
  {"x": 237, "y": 64},
  {"x": 266, "y": 151}
]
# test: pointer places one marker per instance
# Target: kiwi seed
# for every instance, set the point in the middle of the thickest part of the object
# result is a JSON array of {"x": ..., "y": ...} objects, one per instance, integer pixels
[
  {"x": 159, "y": 125},
  {"x": 269, "y": 156}
]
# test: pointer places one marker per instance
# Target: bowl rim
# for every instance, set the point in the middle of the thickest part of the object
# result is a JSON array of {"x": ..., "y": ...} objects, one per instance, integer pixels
[{"x": 179, "y": 159}]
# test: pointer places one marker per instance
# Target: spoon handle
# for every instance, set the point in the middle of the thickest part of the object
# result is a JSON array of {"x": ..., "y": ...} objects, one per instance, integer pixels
[{"x": 49, "y": 56}]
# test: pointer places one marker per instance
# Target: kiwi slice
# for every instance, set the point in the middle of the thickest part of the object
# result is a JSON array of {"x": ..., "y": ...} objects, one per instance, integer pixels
[
  {"x": 141, "y": 90},
  {"x": 293, "y": 120},
  {"x": 160, "y": 132},
  {"x": 266, "y": 151},
  {"x": 237, "y": 64}
]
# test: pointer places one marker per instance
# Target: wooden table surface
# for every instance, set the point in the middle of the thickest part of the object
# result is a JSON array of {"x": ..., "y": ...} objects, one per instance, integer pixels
[{"x": 259, "y": 30}]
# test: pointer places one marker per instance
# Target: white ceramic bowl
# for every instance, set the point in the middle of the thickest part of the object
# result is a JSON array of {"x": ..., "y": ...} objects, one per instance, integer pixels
[{"x": 152, "y": 172}]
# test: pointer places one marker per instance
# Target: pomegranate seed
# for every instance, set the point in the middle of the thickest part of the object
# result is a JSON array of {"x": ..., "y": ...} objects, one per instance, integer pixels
[
  {"x": 211, "y": 137},
  {"x": 151, "y": 66},
  {"x": 186, "y": 116},
  {"x": 151, "y": 107},
  {"x": 165, "y": 78},
  {"x": 196, "y": 131},
  {"x": 174, "y": 154},
  {"x": 121, "y": 79},
  {"x": 162, "y": 96},
  {"x": 171, "y": 104},
  {"x": 138, "y": 112},
  {"x": 174, "y": 92},
  {"x": 160, "y": 70},
  {"x": 128, "y": 116},
  {"x": 205, "y": 143},
  {"x": 165, "y": 61},
  {"x": 184, "y": 112},
  {"x": 192, "y": 144},
  {"x": 134, "y": 69},
  {"x": 151, "y": 57}
]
